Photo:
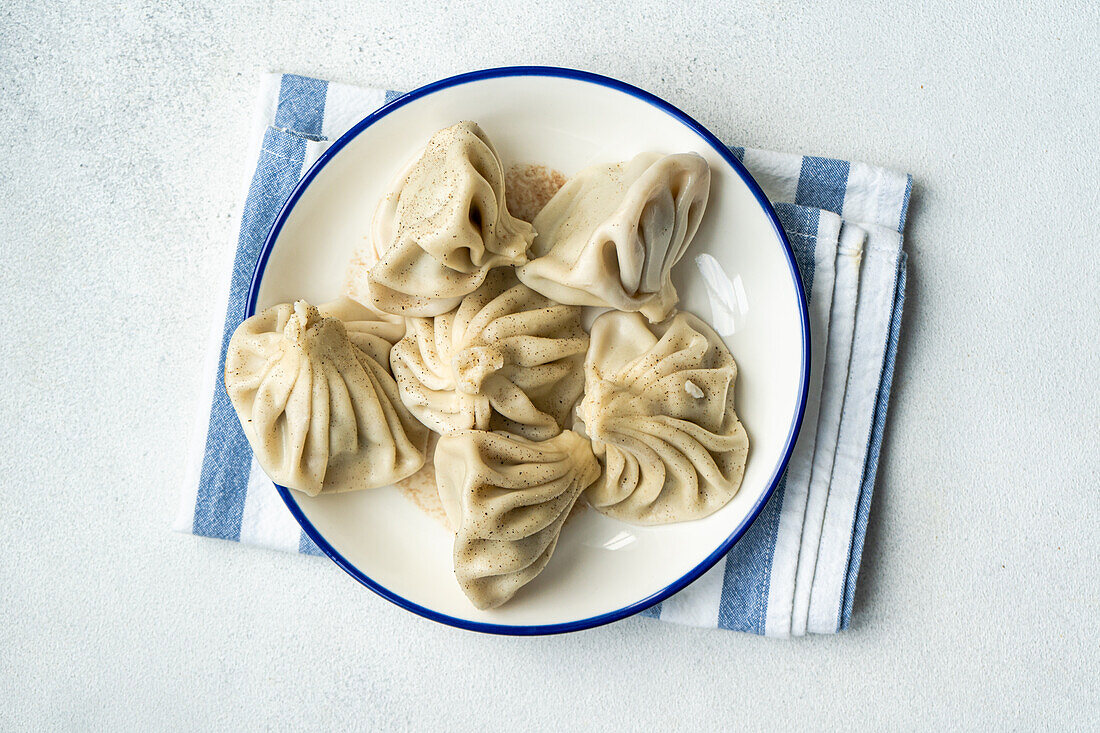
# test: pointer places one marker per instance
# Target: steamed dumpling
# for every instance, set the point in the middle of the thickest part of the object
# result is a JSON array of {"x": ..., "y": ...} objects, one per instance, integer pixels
[
  {"x": 507, "y": 499},
  {"x": 611, "y": 235},
  {"x": 506, "y": 359},
  {"x": 658, "y": 407},
  {"x": 311, "y": 388},
  {"x": 444, "y": 226}
]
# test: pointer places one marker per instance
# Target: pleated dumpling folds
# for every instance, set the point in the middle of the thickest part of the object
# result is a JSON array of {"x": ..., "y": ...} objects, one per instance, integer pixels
[
  {"x": 507, "y": 498},
  {"x": 444, "y": 226},
  {"x": 659, "y": 410},
  {"x": 506, "y": 359},
  {"x": 612, "y": 234},
  {"x": 314, "y": 396}
]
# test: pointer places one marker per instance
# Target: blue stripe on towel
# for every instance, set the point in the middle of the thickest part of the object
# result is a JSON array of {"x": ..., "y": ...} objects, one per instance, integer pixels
[
  {"x": 863, "y": 509},
  {"x": 227, "y": 460},
  {"x": 800, "y": 223},
  {"x": 301, "y": 106},
  {"x": 822, "y": 184},
  {"x": 744, "y": 603},
  {"x": 306, "y": 546},
  {"x": 391, "y": 95},
  {"x": 905, "y": 206}
]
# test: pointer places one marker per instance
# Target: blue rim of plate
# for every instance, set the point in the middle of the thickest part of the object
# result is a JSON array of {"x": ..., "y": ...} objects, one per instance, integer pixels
[{"x": 792, "y": 435}]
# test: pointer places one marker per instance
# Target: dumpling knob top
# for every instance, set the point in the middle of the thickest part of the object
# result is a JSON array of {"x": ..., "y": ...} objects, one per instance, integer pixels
[{"x": 506, "y": 359}]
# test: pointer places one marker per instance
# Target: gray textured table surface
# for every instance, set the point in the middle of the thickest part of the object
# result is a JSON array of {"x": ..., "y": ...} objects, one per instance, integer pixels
[{"x": 978, "y": 598}]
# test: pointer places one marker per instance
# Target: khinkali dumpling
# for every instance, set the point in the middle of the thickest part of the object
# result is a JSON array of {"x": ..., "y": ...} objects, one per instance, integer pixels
[
  {"x": 611, "y": 235},
  {"x": 315, "y": 399},
  {"x": 506, "y": 359},
  {"x": 444, "y": 226},
  {"x": 507, "y": 498},
  {"x": 658, "y": 407}
]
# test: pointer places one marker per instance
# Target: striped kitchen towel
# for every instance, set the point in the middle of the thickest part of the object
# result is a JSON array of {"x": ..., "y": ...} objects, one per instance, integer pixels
[{"x": 795, "y": 570}]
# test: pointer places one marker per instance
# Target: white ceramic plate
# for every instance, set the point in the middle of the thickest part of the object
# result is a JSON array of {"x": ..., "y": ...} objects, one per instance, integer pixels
[{"x": 602, "y": 569}]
